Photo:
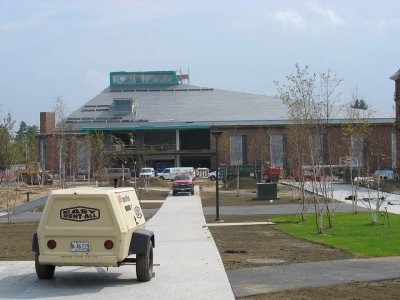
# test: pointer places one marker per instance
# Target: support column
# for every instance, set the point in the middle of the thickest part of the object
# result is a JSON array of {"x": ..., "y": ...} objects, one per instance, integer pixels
[{"x": 178, "y": 147}]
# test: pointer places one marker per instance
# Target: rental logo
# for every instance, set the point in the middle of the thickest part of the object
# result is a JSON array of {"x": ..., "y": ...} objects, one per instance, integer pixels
[{"x": 80, "y": 214}]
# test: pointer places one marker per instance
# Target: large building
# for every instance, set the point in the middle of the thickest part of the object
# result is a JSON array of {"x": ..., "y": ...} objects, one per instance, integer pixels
[{"x": 157, "y": 119}]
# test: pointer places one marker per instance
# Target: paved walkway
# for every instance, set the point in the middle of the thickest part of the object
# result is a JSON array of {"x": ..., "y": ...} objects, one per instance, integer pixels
[
  {"x": 271, "y": 209},
  {"x": 342, "y": 191},
  {"x": 246, "y": 282},
  {"x": 188, "y": 266}
]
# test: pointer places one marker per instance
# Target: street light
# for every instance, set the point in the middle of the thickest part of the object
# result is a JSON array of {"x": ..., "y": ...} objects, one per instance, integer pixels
[
  {"x": 217, "y": 134},
  {"x": 134, "y": 172},
  {"x": 123, "y": 172}
]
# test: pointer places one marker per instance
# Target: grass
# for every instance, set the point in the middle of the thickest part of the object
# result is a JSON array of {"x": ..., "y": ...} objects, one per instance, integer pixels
[{"x": 352, "y": 232}]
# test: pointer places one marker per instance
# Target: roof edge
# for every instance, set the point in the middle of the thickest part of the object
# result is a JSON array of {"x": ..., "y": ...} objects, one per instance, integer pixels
[{"x": 395, "y": 76}]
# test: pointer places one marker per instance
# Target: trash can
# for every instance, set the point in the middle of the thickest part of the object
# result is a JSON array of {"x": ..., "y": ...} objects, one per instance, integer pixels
[{"x": 267, "y": 191}]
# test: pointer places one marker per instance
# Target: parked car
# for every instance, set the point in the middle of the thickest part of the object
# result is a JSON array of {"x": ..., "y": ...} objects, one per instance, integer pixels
[
  {"x": 213, "y": 175},
  {"x": 114, "y": 173},
  {"x": 183, "y": 183},
  {"x": 147, "y": 172}
]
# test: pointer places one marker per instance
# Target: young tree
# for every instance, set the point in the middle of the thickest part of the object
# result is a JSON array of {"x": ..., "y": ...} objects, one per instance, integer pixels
[
  {"x": 61, "y": 111},
  {"x": 309, "y": 114},
  {"x": 304, "y": 114},
  {"x": 258, "y": 146},
  {"x": 330, "y": 96},
  {"x": 356, "y": 132},
  {"x": 97, "y": 154}
]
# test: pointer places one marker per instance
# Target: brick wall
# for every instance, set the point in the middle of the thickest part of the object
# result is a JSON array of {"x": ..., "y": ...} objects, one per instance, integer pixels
[
  {"x": 397, "y": 105},
  {"x": 47, "y": 122},
  {"x": 258, "y": 145}
]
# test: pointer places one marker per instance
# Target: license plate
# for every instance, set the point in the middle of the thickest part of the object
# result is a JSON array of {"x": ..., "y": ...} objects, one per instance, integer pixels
[{"x": 80, "y": 246}]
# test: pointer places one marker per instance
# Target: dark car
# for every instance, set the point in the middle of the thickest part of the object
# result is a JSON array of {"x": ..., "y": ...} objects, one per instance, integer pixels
[{"x": 183, "y": 183}]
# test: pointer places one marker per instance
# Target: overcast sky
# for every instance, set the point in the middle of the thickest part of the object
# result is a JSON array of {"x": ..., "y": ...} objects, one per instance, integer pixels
[{"x": 67, "y": 48}]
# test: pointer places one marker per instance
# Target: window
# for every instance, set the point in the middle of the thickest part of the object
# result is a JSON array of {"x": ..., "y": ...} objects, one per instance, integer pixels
[
  {"x": 123, "y": 105},
  {"x": 143, "y": 78},
  {"x": 276, "y": 149},
  {"x": 357, "y": 148},
  {"x": 318, "y": 150},
  {"x": 238, "y": 150},
  {"x": 394, "y": 150}
]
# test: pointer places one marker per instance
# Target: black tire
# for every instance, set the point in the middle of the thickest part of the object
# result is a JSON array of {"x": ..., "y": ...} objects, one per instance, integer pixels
[
  {"x": 144, "y": 264},
  {"x": 192, "y": 192},
  {"x": 44, "y": 271},
  {"x": 212, "y": 178},
  {"x": 162, "y": 178},
  {"x": 275, "y": 178},
  {"x": 174, "y": 193}
]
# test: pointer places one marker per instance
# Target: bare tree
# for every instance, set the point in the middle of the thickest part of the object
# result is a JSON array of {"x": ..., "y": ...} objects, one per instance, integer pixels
[
  {"x": 356, "y": 132},
  {"x": 329, "y": 83},
  {"x": 258, "y": 146},
  {"x": 97, "y": 153},
  {"x": 305, "y": 114},
  {"x": 61, "y": 111},
  {"x": 309, "y": 110}
]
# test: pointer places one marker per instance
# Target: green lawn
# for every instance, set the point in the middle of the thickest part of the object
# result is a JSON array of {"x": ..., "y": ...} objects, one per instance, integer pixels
[{"x": 352, "y": 232}]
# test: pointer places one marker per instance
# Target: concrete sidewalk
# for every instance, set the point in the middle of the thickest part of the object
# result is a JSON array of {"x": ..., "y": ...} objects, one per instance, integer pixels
[
  {"x": 188, "y": 266},
  {"x": 271, "y": 209},
  {"x": 342, "y": 190},
  {"x": 253, "y": 281}
]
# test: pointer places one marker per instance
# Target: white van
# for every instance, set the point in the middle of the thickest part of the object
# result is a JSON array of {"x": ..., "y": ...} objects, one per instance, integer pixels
[
  {"x": 147, "y": 172},
  {"x": 170, "y": 173}
]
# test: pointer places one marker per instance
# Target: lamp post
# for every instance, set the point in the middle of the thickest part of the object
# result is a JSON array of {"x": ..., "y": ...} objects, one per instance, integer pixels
[
  {"x": 134, "y": 171},
  {"x": 123, "y": 172},
  {"x": 216, "y": 134}
]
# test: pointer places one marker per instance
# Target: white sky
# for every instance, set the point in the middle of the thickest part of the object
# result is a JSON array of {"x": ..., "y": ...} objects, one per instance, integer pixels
[{"x": 67, "y": 48}]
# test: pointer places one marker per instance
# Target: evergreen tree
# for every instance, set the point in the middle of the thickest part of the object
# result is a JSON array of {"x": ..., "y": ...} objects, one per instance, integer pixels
[{"x": 359, "y": 104}]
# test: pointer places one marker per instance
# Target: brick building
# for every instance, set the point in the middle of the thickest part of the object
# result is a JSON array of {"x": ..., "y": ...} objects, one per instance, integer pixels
[
  {"x": 396, "y": 78},
  {"x": 157, "y": 119}
]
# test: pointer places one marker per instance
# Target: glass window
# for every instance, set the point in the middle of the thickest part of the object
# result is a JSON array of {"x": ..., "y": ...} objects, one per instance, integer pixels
[
  {"x": 123, "y": 105},
  {"x": 317, "y": 152},
  {"x": 276, "y": 148},
  {"x": 236, "y": 150},
  {"x": 142, "y": 78},
  {"x": 357, "y": 148}
]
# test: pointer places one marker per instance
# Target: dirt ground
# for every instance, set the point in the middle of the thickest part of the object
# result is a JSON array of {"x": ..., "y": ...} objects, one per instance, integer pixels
[
  {"x": 19, "y": 194},
  {"x": 386, "y": 289},
  {"x": 19, "y": 191},
  {"x": 16, "y": 241},
  {"x": 263, "y": 242},
  {"x": 239, "y": 246},
  {"x": 247, "y": 195}
]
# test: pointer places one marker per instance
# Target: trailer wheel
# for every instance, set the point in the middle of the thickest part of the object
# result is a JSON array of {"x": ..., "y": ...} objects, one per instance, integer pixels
[
  {"x": 275, "y": 178},
  {"x": 144, "y": 264},
  {"x": 43, "y": 271}
]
